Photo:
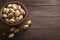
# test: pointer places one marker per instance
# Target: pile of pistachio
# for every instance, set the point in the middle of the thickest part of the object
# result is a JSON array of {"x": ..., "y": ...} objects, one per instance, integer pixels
[
  {"x": 16, "y": 30},
  {"x": 13, "y": 13}
]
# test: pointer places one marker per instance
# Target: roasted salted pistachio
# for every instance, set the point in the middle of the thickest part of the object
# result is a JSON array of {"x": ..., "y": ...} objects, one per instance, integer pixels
[
  {"x": 11, "y": 35},
  {"x": 13, "y": 13}
]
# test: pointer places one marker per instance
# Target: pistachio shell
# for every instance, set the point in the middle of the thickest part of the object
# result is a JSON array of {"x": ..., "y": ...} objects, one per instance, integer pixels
[
  {"x": 12, "y": 10},
  {"x": 4, "y": 15},
  {"x": 20, "y": 17},
  {"x": 12, "y": 29},
  {"x": 22, "y": 11},
  {"x": 7, "y": 20},
  {"x": 10, "y": 15},
  {"x": 28, "y": 22},
  {"x": 17, "y": 13},
  {"x": 12, "y": 20},
  {"x": 19, "y": 7},
  {"x": 15, "y": 6},
  {"x": 9, "y": 5},
  {"x": 6, "y": 10},
  {"x": 11, "y": 35},
  {"x": 26, "y": 27},
  {"x": 16, "y": 31}
]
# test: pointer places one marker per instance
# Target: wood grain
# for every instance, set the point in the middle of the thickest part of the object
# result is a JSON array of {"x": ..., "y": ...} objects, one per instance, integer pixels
[{"x": 45, "y": 16}]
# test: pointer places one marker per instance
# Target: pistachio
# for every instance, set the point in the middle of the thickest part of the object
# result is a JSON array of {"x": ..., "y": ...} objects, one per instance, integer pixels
[
  {"x": 12, "y": 10},
  {"x": 16, "y": 31},
  {"x": 28, "y": 22},
  {"x": 19, "y": 7},
  {"x": 22, "y": 11},
  {"x": 20, "y": 17},
  {"x": 3, "y": 33},
  {"x": 12, "y": 29},
  {"x": 26, "y": 27},
  {"x": 11, "y": 35},
  {"x": 12, "y": 20},
  {"x": 4, "y": 15},
  {"x": 17, "y": 13},
  {"x": 10, "y": 15},
  {"x": 15, "y": 6},
  {"x": 9, "y": 6},
  {"x": 7, "y": 20}
]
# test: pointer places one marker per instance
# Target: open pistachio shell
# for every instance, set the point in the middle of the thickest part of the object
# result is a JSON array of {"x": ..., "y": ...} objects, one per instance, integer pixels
[
  {"x": 16, "y": 31},
  {"x": 25, "y": 27}
]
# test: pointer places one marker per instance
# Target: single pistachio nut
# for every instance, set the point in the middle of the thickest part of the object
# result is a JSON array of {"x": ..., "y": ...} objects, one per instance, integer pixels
[
  {"x": 19, "y": 7},
  {"x": 12, "y": 29},
  {"x": 22, "y": 11},
  {"x": 25, "y": 27},
  {"x": 17, "y": 13},
  {"x": 7, "y": 20},
  {"x": 4, "y": 10},
  {"x": 20, "y": 17},
  {"x": 9, "y": 5},
  {"x": 16, "y": 31},
  {"x": 10, "y": 15},
  {"x": 12, "y": 10},
  {"x": 4, "y": 15},
  {"x": 11, "y": 35},
  {"x": 7, "y": 10},
  {"x": 28, "y": 22},
  {"x": 12, "y": 20},
  {"x": 15, "y": 7}
]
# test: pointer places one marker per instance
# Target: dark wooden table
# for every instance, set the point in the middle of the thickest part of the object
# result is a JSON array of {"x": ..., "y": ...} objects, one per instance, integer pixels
[{"x": 45, "y": 16}]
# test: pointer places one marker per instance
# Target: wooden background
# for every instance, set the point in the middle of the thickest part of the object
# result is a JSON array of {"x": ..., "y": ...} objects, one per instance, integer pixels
[{"x": 45, "y": 16}]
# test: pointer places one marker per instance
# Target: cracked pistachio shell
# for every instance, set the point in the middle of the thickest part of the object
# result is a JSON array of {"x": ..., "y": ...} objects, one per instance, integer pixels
[
  {"x": 12, "y": 10},
  {"x": 4, "y": 15},
  {"x": 9, "y": 5},
  {"x": 17, "y": 13},
  {"x": 10, "y": 15},
  {"x": 14, "y": 6},
  {"x": 21, "y": 17},
  {"x": 22, "y": 11},
  {"x": 11, "y": 35}
]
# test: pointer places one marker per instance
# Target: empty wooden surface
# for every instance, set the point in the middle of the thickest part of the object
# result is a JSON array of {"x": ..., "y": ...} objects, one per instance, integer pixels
[{"x": 45, "y": 16}]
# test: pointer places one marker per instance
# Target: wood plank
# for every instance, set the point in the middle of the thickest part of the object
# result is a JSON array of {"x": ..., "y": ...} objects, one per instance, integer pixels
[{"x": 37, "y": 2}]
